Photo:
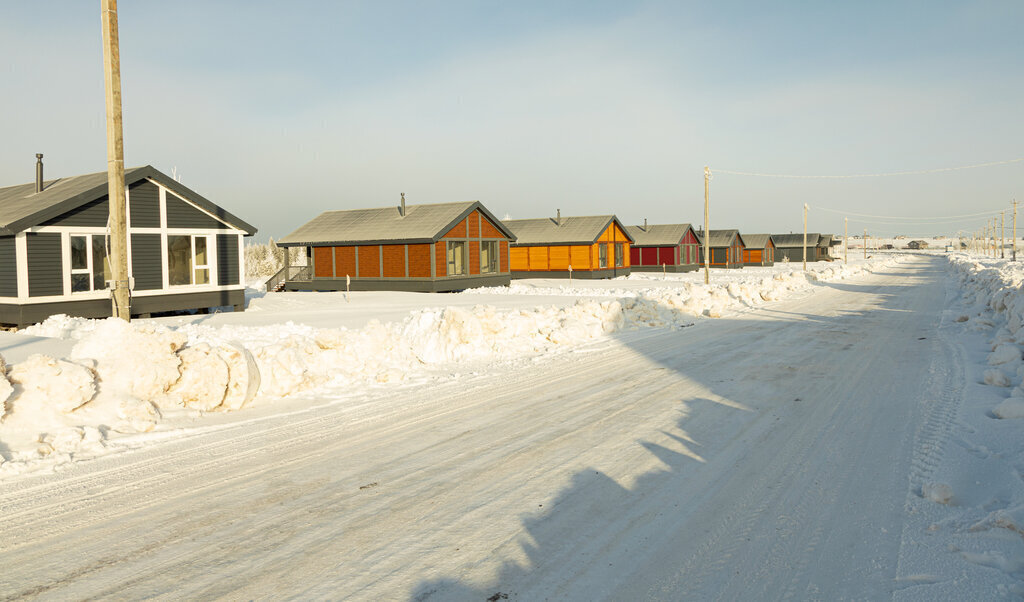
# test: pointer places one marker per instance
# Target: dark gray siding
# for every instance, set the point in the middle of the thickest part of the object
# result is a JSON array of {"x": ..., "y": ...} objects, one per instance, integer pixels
[
  {"x": 794, "y": 254},
  {"x": 227, "y": 259},
  {"x": 147, "y": 267},
  {"x": 144, "y": 200},
  {"x": 183, "y": 215},
  {"x": 8, "y": 268},
  {"x": 90, "y": 214},
  {"x": 45, "y": 271}
]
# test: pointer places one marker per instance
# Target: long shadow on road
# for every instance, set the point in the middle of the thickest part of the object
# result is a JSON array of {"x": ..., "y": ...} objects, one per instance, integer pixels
[{"x": 759, "y": 375}]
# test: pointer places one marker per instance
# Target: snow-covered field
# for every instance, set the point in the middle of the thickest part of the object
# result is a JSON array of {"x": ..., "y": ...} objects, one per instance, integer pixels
[{"x": 300, "y": 385}]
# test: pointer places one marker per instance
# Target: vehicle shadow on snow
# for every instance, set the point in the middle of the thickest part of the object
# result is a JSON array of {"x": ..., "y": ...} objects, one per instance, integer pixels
[{"x": 755, "y": 376}]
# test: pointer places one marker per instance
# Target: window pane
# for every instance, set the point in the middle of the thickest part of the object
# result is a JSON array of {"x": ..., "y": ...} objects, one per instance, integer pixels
[
  {"x": 602, "y": 255},
  {"x": 488, "y": 257},
  {"x": 100, "y": 264},
  {"x": 79, "y": 260},
  {"x": 79, "y": 283},
  {"x": 179, "y": 259},
  {"x": 202, "y": 276},
  {"x": 618, "y": 254},
  {"x": 201, "y": 251}
]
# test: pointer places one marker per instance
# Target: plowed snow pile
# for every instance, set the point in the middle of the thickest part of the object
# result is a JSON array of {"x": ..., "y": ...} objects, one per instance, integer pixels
[
  {"x": 968, "y": 510},
  {"x": 123, "y": 378}
]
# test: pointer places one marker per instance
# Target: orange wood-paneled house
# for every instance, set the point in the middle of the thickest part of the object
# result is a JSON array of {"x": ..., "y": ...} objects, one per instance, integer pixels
[
  {"x": 594, "y": 246},
  {"x": 726, "y": 248},
  {"x": 663, "y": 247},
  {"x": 759, "y": 250},
  {"x": 431, "y": 248}
]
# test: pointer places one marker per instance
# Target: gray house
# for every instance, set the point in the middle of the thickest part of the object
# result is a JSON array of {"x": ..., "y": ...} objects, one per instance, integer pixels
[
  {"x": 184, "y": 251},
  {"x": 790, "y": 247}
]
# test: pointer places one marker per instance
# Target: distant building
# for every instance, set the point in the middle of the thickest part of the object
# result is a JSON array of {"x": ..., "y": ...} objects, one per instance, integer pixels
[
  {"x": 759, "y": 250},
  {"x": 668, "y": 247},
  {"x": 595, "y": 246},
  {"x": 726, "y": 248}
]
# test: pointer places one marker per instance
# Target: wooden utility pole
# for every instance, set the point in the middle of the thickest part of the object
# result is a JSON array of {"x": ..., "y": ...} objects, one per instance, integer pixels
[
  {"x": 1013, "y": 254},
  {"x": 805, "y": 237},
  {"x": 865, "y": 243},
  {"x": 115, "y": 164},
  {"x": 707, "y": 232},
  {"x": 1002, "y": 234},
  {"x": 846, "y": 245}
]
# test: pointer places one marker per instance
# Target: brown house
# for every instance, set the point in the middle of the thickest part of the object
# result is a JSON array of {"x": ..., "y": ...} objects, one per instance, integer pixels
[
  {"x": 587, "y": 247},
  {"x": 431, "y": 248},
  {"x": 759, "y": 250}
]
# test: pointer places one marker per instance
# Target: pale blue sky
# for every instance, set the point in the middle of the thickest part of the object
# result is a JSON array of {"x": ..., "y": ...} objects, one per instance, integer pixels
[{"x": 279, "y": 111}]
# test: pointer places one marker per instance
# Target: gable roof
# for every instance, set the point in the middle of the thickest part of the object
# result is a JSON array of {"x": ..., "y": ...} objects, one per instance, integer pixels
[
  {"x": 421, "y": 223},
  {"x": 572, "y": 230},
  {"x": 827, "y": 240},
  {"x": 757, "y": 241},
  {"x": 720, "y": 238},
  {"x": 795, "y": 240},
  {"x": 22, "y": 207},
  {"x": 658, "y": 235}
]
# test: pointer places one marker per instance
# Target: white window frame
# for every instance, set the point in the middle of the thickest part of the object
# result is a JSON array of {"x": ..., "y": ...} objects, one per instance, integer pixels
[
  {"x": 89, "y": 270},
  {"x": 209, "y": 266}
]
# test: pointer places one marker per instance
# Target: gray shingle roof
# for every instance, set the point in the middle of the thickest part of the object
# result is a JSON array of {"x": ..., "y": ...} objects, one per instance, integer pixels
[
  {"x": 720, "y": 238},
  {"x": 795, "y": 240},
  {"x": 22, "y": 207},
  {"x": 756, "y": 241},
  {"x": 572, "y": 230},
  {"x": 658, "y": 235},
  {"x": 421, "y": 223}
]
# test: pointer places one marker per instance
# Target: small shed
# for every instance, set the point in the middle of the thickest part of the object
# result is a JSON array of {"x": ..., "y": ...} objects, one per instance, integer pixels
[
  {"x": 668, "y": 247},
  {"x": 184, "y": 252},
  {"x": 759, "y": 250},
  {"x": 428, "y": 248},
  {"x": 594, "y": 246},
  {"x": 790, "y": 247},
  {"x": 917, "y": 244},
  {"x": 726, "y": 248}
]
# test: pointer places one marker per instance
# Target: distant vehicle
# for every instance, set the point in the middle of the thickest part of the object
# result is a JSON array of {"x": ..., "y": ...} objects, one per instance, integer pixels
[{"x": 886, "y": 246}]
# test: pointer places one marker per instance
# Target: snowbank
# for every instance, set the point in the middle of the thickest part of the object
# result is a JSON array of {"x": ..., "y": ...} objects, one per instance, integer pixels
[{"x": 122, "y": 377}]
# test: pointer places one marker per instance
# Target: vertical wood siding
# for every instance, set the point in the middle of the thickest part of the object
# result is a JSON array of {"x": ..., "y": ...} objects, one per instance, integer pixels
[
  {"x": 345, "y": 262},
  {"x": 503, "y": 257},
  {"x": 8, "y": 268},
  {"x": 227, "y": 259},
  {"x": 45, "y": 267},
  {"x": 419, "y": 261},
  {"x": 520, "y": 259},
  {"x": 144, "y": 204},
  {"x": 147, "y": 264},
  {"x": 323, "y": 263},
  {"x": 369, "y": 261},
  {"x": 394, "y": 261},
  {"x": 440, "y": 259},
  {"x": 474, "y": 253}
]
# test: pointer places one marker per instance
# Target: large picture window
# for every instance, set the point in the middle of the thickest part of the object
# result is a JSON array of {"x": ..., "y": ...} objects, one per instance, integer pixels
[
  {"x": 90, "y": 269},
  {"x": 488, "y": 256},
  {"x": 457, "y": 258},
  {"x": 188, "y": 260},
  {"x": 620, "y": 254}
]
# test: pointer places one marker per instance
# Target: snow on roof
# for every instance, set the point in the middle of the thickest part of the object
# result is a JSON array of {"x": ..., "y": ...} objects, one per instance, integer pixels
[
  {"x": 657, "y": 235},
  {"x": 421, "y": 223},
  {"x": 566, "y": 231}
]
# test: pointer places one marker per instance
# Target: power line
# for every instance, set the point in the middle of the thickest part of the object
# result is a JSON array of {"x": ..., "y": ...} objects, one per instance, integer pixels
[
  {"x": 917, "y": 217},
  {"x": 868, "y": 175}
]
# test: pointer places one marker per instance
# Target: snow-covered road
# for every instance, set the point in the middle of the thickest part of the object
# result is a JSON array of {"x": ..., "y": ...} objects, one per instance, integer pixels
[{"x": 765, "y": 456}]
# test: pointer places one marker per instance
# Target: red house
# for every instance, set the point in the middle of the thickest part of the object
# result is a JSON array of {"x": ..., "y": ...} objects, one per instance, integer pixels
[{"x": 668, "y": 247}]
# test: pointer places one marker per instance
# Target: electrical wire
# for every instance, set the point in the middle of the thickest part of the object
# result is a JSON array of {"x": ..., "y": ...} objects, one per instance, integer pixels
[{"x": 868, "y": 175}]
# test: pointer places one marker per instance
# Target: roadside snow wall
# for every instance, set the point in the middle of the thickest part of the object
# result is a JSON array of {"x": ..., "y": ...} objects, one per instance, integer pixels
[{"x": 122, "y": 376}]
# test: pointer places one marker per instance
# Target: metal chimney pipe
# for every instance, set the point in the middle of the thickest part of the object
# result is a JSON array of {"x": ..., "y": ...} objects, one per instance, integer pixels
[
  {"x": 558, "y": 217},
  {"x": 39, "y": 172},
  {"x": 402, "y": 210},
  {"x": 645, "y": 224}
]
